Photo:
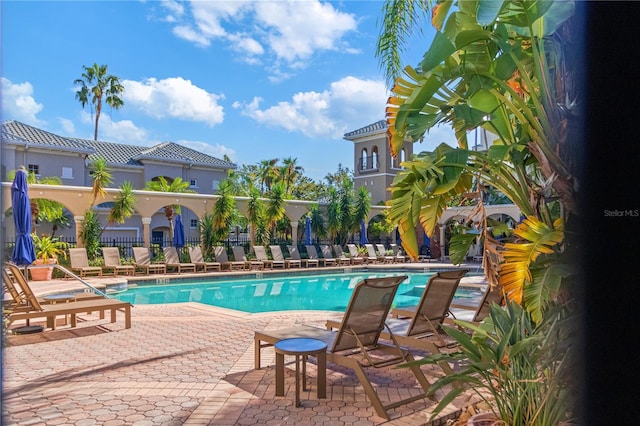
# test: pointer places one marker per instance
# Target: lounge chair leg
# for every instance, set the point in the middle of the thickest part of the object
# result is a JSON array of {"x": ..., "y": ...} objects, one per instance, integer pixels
[{"x": 127, "y": 317}]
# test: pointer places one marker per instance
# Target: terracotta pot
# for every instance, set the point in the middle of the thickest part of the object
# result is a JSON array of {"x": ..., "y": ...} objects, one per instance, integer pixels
[
  {"x": 42, "y": 274},
  {"x": 483, "y": 419}
]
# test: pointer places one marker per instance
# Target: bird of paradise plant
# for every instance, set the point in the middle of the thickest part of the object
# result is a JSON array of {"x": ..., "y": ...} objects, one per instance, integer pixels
[
  {"x": 501, "y": 67},
  {"x": 498, "y": 66}
]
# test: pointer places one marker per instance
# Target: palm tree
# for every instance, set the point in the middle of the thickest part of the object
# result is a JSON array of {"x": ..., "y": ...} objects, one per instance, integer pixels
[
  {"x": 177, "y": 185},
  {"x": 208, "y": 236},
  {"x": 290, "y": 172},
  {"x": 96, "y": 84},
  {"x": 267, "y": 173},
  {"x": 318, "y": 226},
  {"x": 61, "y": 220},
  {"x": 223, "y": 211},
  {"x": 124, "y": 204},
  {"x": 334, "y": 214},
  {"x": 360, "y": 210},
  {"x": 274, "y": 211},
  {"x": 101, "y": 176},
  {"x": 255, "y": 213}
]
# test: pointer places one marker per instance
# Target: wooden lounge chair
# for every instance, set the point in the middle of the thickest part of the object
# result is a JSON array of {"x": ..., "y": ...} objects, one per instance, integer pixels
[
  {"x": 327, "y": 254},
  {"x": 112, "y": 262},
  {"x": 313, "y": 254},
  {"x": 19, "y": 300},
  {"x": 423, "y": 329},
  {"x": 80, "y": 263},
  {"x": 172, "y": 260},
  {"x": 382, "y": 252},
  {"x": 143, "y": 261},
  {"x": 261, "y": 254},
  {"x": 240, "y": 255},
  {"x": 356, "y": 344},
  {"x": 380, "y": 258},
  {"x": 226, "y": 264},
  {"x": 276, "y": 252},
  {"x": 295, "y": 254},
  {"x": 196, "y": 257},
  {"x": 353, "y": 251},
  {"x": 400, "y": 257},
  {"x": 352, "y": 260},
  {"x": 34, "y": 309}
]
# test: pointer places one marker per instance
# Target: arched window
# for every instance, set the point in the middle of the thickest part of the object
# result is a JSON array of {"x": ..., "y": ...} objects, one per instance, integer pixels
[
  {"x": 374, "y": 157},
  {"x": 402, "y": 157},
  {"x": 364, "y": 159}
]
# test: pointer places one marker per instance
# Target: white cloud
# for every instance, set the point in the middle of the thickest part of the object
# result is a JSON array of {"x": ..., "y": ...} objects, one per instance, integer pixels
[
  {"x": 296, "y": 29},
  {"x": 218, "y": 151},
  {"x": 175, "y": 9},
  {"x": 190, "y": 34},
  {"x": 174, "y": 97},
  {"x": 123, "y": 131},
  {"x": 67, "y": 126},
  {"x": 348, "y": 104},
  {"x": 18, "y": 102},
  {"x": 290, "y": 31}
]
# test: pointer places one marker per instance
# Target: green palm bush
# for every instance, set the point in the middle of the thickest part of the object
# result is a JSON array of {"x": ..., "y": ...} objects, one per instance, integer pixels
[{"x": 520, "y": 368}]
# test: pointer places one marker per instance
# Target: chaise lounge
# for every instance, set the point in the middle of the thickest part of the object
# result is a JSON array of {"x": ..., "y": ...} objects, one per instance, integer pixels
[
  {"x": 80, "y": 263},
  {"x": 356, "y": 344},
  {"x": 423, "y": 329},
  {"x": 172, "y": 260},
  {"x": 143, "y": 261},
  {"x": 112, "y": 262},
  {"x": 32, "y": 308}
]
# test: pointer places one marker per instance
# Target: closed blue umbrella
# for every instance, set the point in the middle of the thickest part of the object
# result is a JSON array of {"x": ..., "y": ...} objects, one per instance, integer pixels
[
  {"x": 307, "y": 232},
  {"x": 178, "y": 232},
  {"x": 23, "y": 251},
  {"x": 363, "y": 233}
]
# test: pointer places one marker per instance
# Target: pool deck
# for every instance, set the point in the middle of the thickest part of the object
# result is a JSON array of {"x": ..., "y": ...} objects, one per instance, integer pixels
[{"x": 185, "y": 364}]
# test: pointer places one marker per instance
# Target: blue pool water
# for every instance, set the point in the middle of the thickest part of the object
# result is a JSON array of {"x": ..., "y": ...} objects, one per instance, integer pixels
[{"x": 330, "y": 292}]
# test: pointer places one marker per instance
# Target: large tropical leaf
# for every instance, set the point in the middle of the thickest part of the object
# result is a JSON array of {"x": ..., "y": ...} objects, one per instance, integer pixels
[
  {"x": 459, "y": 247},
  {"x": 420, "y": 193},
  {"x": 537, "y": 238},
  {"x": 547, "y": 281}
]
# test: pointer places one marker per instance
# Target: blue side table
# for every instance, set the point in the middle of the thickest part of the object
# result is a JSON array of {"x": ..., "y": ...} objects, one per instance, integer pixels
[{"x": 301, "y": 347}]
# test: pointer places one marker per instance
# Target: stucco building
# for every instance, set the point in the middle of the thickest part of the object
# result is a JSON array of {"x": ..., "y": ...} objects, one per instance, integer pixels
[{"x": 49, "y": 155}]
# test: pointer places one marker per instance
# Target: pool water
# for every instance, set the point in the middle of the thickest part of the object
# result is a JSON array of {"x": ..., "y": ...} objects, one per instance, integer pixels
[{"x": 329, "y": 292}]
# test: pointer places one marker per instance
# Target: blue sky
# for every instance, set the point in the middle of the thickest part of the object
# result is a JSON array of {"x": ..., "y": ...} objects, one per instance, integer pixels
[{"x": 253, "y": 80}]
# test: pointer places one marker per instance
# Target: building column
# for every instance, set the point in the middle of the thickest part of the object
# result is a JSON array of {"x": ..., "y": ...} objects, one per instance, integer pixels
[
  {"x": 146, "y": 231},
  {"x": 294, "y": 232},
  {"x": 78, "y": 221}
]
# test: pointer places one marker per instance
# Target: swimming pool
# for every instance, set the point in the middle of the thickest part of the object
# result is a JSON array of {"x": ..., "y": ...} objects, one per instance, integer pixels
[{"x": 327, "y": 292}]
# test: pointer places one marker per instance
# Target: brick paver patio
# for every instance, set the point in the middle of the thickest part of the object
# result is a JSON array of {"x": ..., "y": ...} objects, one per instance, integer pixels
[{"x": 183, "y": 364}]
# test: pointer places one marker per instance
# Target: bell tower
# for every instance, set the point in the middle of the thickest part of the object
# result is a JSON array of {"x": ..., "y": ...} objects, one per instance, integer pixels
[{"x": 374, "y": 166}]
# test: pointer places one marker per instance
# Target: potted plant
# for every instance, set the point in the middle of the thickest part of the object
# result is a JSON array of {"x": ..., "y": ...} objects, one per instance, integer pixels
[
  {"x": 47, "y": 251},
  {"x": 519, "y": 368}
]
